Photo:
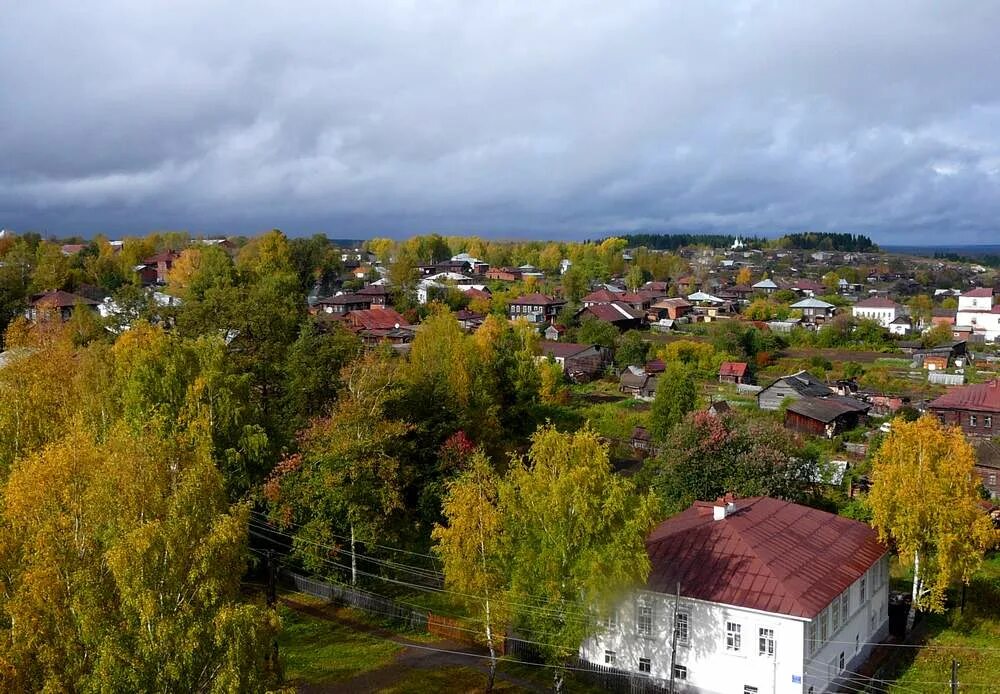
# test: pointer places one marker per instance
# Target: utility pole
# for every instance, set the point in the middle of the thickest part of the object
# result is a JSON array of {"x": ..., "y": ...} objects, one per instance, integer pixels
[
  {"x": 954, "y": 676},
  {"x": 673, "y": 637},
  {"x": 272, "y": 589}
]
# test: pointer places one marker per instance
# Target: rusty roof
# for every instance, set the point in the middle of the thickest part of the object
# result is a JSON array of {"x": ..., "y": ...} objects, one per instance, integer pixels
[
  {"x": 61, "y": 299},
  {"x": 733, "y": 368},
  {"x": 984, "y": 397},
  {"x": 827, "y": 409},
  {"x": 767, "y": 554}
]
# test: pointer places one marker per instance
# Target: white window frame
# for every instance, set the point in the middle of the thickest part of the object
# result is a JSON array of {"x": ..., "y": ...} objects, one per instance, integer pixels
[
  {"x": 748, "y": 689},
  {"x": 811, "y": 642},
  {"x": 824, "y": 626},
  {"x": 863, "y": 589},
  {"x": 734, "y": 636},
  {"x": 683, "y": 627},
  {"x": 610, "y": 657},
  {"x": 972, "y": 421},
  {"x": 680, "y": 672},
  {"x": 766, "y": 643},
  {"x": 611, "y": 621},
  {"x": 648, "y": 663},
  {"x": 644, "y": 620},
  {"x": 845, "y": 605},
  {"x": 835, "y": 616},
  {"x": 987, "y": 422}
]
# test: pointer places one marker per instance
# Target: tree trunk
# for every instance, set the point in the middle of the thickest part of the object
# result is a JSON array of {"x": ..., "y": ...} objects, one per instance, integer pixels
[
  {"x": 354, "y": 559},
  {"x": 911, "y": 616},
  {"x": 491, "y": 677},
  {"x": 557, "y": 681}
]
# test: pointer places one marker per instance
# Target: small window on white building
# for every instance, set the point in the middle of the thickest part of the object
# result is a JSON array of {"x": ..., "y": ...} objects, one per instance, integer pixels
[
  {"x": 841, "y": 661},
  {"x": 734, "y": 637},
  {"x": 609, "y": 657},
  {"x": 765, "y": 641},
  {"x": 611, "y": 621},
  {"x": 824, "y": 626},
  {"x": 747, "y": 689},
  {"x": 863, "y": 590},
  {"x": 681, "y": 628},
  {"x": 845, "y": 605},
  {"x": 645, "y": 620},
  {"x": 680, "y": 672},
  {"x": 811, "y": 637},
  {"x": 645, "y": 665},
  {"x": 835, "y": 615}
]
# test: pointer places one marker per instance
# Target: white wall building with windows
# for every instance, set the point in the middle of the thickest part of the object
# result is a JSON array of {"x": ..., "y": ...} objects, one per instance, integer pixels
[{"x": 774, "y": 597}]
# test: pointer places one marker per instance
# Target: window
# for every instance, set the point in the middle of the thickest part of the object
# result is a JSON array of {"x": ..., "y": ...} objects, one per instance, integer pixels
[
  {"x": 811, "y": 637},
  {"x": 680, "y": 672},
  {"x": 988, "y": 422},
  {"x": 609, "y": 657},
  {"x": 611, "y": 621},
  {"x": 681, "y": 628},
  {"x": 862, "y": 590},
  {"x": 824, "y": 625},
  {"x": 747, "y": 689},
  {"x": 841, "y": 661},
  {"x": 845, "y": 605},
  {"x": 993, "y": 478},
  {"x": 972, "y": 420},
  {"x": 645, "y": 665},
  {"x": 835, "y": 615},
  {"x": 766, "y": 641},
  {"x": 645, "y": 620},
  {"x": 857, "y": 642},
  {"x": 733, "y": 636}
]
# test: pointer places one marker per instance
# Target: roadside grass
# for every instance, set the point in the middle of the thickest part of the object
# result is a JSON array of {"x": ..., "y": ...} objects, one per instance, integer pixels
[
  {"x": 318, "y": 652},
  {"x": 448, "y": 679},
  {"x": 971, "y": 637}
]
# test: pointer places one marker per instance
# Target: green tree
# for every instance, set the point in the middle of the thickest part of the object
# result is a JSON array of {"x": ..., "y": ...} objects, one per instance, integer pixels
[
  {"x": 675, "y": 397},
  {"x": 631, "y": 349},
  {"x": 597, "y": 332},
  {"x": 574, "y": 284},
  {"x": 574, "y": 539},
  {"x": 924, "y": 498}
]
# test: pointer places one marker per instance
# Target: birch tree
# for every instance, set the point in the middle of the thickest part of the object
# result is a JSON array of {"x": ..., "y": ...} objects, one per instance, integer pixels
[
  {"x": 469, "y": 545},
  {"x": 924, "y": 498}
]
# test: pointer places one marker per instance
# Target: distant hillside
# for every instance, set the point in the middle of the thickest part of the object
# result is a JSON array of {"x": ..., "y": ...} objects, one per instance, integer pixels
[
  {"x": 827, "y": 241},
  {"x": 671, "y": 242},
  {"x": 810, "y": 241}
]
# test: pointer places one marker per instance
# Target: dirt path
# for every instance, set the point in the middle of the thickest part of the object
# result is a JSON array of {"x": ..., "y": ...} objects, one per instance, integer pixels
[{"x": 415, "y": 655}]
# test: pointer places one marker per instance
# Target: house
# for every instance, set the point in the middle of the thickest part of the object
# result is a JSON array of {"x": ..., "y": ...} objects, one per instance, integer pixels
[
  {"x": 671, "y": 308},
  {"x": 974, "y": 408},
  {"x": 800, "y": 384},
  {"x": 163, "y": 262},
  {"x": 378, "y": 324},
  {"x": 988, "y": 466},
  {"x": 942, "y": 356},
  {"x": 378, "y": 294},
  {"x": 807, "y": 287},
  {"x": 976, "y": 310},
  {"x": 578, "y": 361},
  {"x": 554, "y": 332},
  {"x": 766, "y": 286},
  {"x": 901, "y": 325},
  {"x": 827, "y": 416},
  {"x": 343, "y": 303},
  {"x": 505, "y": 274},
  {"x": 469, "y": 320},
  {"x": 876, "y": 308},
  {"x": 642, "y": 441},
  {"x": 57, "y": 303},
  {"x": 619, "y": 314},
  {"x": 814, "y": 310},
  {"x": 535, "y": 308},
  {"x": 733, "y": 372},
  {"x": 637, "y": 383},
  {"x": 655, "y": 366},
  {"x": 769, "y": 596}
]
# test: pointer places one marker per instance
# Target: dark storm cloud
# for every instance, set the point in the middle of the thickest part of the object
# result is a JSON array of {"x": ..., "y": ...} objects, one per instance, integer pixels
[{"x": 546, "y": 118}]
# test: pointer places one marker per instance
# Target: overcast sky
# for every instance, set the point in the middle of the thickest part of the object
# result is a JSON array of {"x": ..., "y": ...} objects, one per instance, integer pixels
[{"x": 542, "y": 119}]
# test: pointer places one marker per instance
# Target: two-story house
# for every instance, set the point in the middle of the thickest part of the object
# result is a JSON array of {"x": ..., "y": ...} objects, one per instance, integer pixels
[
  {"x": 535, "y": 308},
  {"x": 974, "y": 408},
  {"x": 751, "y": 595},
  {"x": 881, "y": 310},
  {"x": 814, "y": 310},
  {"x": 977, "y": 312}
]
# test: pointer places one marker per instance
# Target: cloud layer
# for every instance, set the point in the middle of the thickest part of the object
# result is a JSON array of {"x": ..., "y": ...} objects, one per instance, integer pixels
[{"x": 556, "y": 119}]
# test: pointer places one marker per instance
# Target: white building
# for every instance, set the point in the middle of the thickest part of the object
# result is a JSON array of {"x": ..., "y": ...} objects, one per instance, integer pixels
[
  {"x": 773, "y": 597},
  {"x": 876, "y": 308},
  {"x": 976, "y": 310}
]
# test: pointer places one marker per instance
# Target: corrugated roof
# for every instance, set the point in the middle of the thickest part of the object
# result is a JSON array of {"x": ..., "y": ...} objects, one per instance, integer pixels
[
  {"x": 61, "y": 299},
  {"x": 811, "y": 303},
  {"x": 877, "y": 302},
  {"x": 979, "y": 293},
  {"x": 537, "y": 300},
  {"x": 984, "y": 397},
  {"x": 768, "y": 555},
  {"x": 376, "y": 319},
  {"x": 826, "y": 409},
  {"x": 562, "y": 350},
  {"x": 613, "y": 312},
  {"x": 733, "y": 368}
]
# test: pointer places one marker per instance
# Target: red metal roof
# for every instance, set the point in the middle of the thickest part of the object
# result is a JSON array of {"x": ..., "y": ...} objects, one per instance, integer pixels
[
  {"x": 602, "y": 296},
  {"x": 767, "y": 554},
  {"x": 537, "y": 300},
  {"x": 733, "y": 368},
  {"x": 61, "y": 299},
  {"x": 984, "y": 397},
  {"x": 613, "y": 312},
  {"x": 980, "y": 293},
  {"x": 375, "y": 319},
  {"x": 877, "y": 302}
]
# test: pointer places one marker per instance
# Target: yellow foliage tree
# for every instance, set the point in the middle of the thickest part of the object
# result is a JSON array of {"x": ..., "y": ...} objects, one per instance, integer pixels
[
  {"x": 924, "y": 498},
  {"x": 744, "y": 277}
]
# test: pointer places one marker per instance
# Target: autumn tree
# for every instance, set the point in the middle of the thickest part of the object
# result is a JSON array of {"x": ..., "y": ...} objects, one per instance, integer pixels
[
  {"x": 675, "y": 397},
  {"x": 574, "y": 539},
  {"x": 470, "y": 545},
  {"x": 924, "y": 498},
  {"x": 744, "y": 276},
  {"x": 120, "y": 569}
]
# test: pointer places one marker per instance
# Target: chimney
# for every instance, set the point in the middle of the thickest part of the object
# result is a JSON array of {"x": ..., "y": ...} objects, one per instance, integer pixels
[{"x": 723, "y": 506}]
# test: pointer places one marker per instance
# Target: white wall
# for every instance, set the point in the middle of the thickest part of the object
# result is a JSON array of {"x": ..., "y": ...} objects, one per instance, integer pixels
[
  {"x": 975, "y": 303},
  {"x": 985, "y": 324},
  {"x": 884, "y": 316},
  {"x": 710, "y": 666}
]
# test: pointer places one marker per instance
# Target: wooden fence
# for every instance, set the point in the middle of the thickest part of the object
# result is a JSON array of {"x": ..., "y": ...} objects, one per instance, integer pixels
[{"x": 375, "y": 605}]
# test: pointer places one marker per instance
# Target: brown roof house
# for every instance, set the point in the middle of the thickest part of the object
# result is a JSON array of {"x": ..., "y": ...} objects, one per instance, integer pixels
[
  {"x": 763, "y": 595},
  {"x": 733, "y": 372},
  {"x": 58, "y": 303},
  {"x": 619, "y": 314},
  {"x": 974, "y": 408},
  {"x": 578, "y": 361},
  {"x": 638, "y": 383},
  {"x": 535, "y": 308},
  {"x": 827, "y": 416}
]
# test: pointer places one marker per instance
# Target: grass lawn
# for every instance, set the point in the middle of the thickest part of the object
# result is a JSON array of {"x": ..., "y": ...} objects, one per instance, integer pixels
[
  {"x": 977, "y": 628},
  {"x": 448, "y": 679},
  {"x": 318, "y": 652}
]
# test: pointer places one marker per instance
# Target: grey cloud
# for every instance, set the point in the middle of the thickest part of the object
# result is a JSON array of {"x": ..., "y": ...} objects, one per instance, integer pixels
[{"x": 551, "y": 119}]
